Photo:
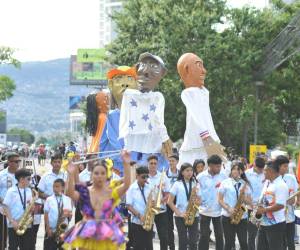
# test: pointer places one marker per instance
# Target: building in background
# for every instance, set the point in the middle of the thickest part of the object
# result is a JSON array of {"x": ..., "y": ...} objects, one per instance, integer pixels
[
  {"x": 107, "y": 30},
  {"x": 77, "y": 117},
  {"x": 76, "y": 123}
]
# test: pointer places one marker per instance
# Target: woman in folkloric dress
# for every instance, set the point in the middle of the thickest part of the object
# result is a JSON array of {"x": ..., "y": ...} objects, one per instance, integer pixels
[{"x": 101, "y": 226}]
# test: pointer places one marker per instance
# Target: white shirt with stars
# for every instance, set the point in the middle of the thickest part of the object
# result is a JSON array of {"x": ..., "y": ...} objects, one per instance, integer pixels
[{"x": 142, "y": 121}]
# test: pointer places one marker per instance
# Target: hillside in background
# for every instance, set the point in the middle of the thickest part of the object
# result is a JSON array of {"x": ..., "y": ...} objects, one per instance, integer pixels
[{"x": 41, "y": 99}]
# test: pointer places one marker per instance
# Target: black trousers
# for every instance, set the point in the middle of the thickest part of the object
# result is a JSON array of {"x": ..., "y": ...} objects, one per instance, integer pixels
[
  {"x": 3, "y": 230},
  {"x": 252, "y": 233},
  {"x": 129, "y": 243},
  {"x": 289, "y": 242},
  {"x": 271, "y": 237},
  {"x": 170, "y": 229},
  {"x": 205, "y": 232},
  {"x": 142, "y": 240},
  {"x": 231, "y": 230},
  {"x": 23, "y": 242},
  {"x": 187, "y": 235},
  {"x": 51, "y": 244},
  {"x": 35, "y": 230},
  {"x": 161, "y": 222}
]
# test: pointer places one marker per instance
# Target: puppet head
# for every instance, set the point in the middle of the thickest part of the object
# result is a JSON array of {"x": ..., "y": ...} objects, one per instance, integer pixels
[
  {"x": 191, "y": 70},
  {"x": 120, "y": 79},
  {"x": 150, "y": 70},
  {"x": 96, "y": 104}
]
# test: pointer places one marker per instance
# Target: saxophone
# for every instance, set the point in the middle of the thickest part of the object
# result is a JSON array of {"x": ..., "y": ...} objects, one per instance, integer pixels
[
  {"x": 240, "y": 209},
  {"x": 255, "y": 218},
  {"x": 27, "y": 217},
  {"x": 157, "y": 208},
  {"x": 151, "y": 210},
  {"x": 192, "y": 209},
  {"x": 149, "y": 214},
  {"x": 61, "y": 226}
]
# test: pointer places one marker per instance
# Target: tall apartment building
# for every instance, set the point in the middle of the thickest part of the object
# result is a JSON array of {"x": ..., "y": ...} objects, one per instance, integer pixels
[{"x": 107, "y": 27}]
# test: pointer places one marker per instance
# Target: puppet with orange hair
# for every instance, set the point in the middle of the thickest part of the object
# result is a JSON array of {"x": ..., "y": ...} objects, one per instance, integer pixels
[{"x": 119, "y": 79}]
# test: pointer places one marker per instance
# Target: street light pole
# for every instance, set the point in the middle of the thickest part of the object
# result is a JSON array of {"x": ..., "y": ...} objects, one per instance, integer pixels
[{"x": 257, "y": 85}]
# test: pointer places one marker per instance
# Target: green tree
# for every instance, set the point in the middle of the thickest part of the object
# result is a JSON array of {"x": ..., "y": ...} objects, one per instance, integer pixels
[
  {"x": 24, "y": 134},
  {"x": 41, "y": 140},
  {"x": 7, "y": 85},
  {"x": 232, "y": 53}
]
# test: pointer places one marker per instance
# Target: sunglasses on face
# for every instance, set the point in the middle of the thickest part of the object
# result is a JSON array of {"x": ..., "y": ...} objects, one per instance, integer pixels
[{"x": 145, "y": 176}]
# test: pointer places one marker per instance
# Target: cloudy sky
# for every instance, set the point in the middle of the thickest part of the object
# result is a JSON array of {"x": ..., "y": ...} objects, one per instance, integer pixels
[{"x": 49, "y": 29}]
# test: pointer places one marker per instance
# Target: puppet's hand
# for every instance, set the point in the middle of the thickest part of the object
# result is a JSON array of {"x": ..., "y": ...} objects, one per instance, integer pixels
[
  {"x": 214, "y": 148},
  {"x": 166, "y": 149}
]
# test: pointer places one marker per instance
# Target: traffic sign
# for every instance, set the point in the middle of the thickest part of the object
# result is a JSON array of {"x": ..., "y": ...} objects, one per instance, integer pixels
[{"x": 256, "y": 150}]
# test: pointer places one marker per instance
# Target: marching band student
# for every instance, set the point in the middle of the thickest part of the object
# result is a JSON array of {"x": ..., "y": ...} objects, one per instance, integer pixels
[
  {"x": 256, "y": 178},
  {"x": 46, "y": 183},
  {"x": 129, "y": 244},
  {"x": 37, "y": 214},
  {"x": 57, "y": 209},
  {"x": 16, "y": 201},
  {"x": 210, "y": 209},
  {"x": 85, "y": 175},
  {"x": 137, "y": 202},
  {"x": 172, "y": 174},
  {"x": 292, "y": 184},
  {"x": 101, "y": 226},
  {"x": 271, "y": 233},
  {"x": 230, "y": 192},
  {"x": 182, "y": 190},
  {"x": 7, "y": 180},
  {"x": 198, "y": 166},
  {"x": 161, "y": 219}
]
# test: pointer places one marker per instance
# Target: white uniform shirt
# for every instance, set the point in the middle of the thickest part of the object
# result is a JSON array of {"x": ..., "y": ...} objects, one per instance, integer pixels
[
  {"x": 198, "y": 118},
  {"x": 154, "y": 182},
  {"x": 257, "y": 183},
  {"x": 14, "y": 203},
  {"x": 7, "y": 180},
  {"x": 85, "y": 175},
  {"x": 209, "y": 187},
  {"x": 275, "y": 192},
  {"x": 172, "y": 176},
  {"x": 135, "y": 199},
  {"x": 47, "y": 180},
  {"x": 231, "y": 190},
  {"x": 51, "y": 207},
  {"x": 292, "y": 167},
  {"x": 178, "y": 191},
  {"x": 37, "y": 218},
  {"x": 292, "y": 184},
  {"x": 142, "y": 121}
]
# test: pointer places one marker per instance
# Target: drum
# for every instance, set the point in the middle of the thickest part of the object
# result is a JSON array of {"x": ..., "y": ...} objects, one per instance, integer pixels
[{"x": 297, "y": 214}]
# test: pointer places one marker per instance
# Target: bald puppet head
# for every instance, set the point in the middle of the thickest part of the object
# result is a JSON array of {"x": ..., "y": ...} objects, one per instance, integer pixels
[{"x": 191, "y": 70}]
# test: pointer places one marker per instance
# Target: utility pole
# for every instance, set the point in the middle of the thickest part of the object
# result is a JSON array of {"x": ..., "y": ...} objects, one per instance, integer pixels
[{"x": 257, "y": 85}]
